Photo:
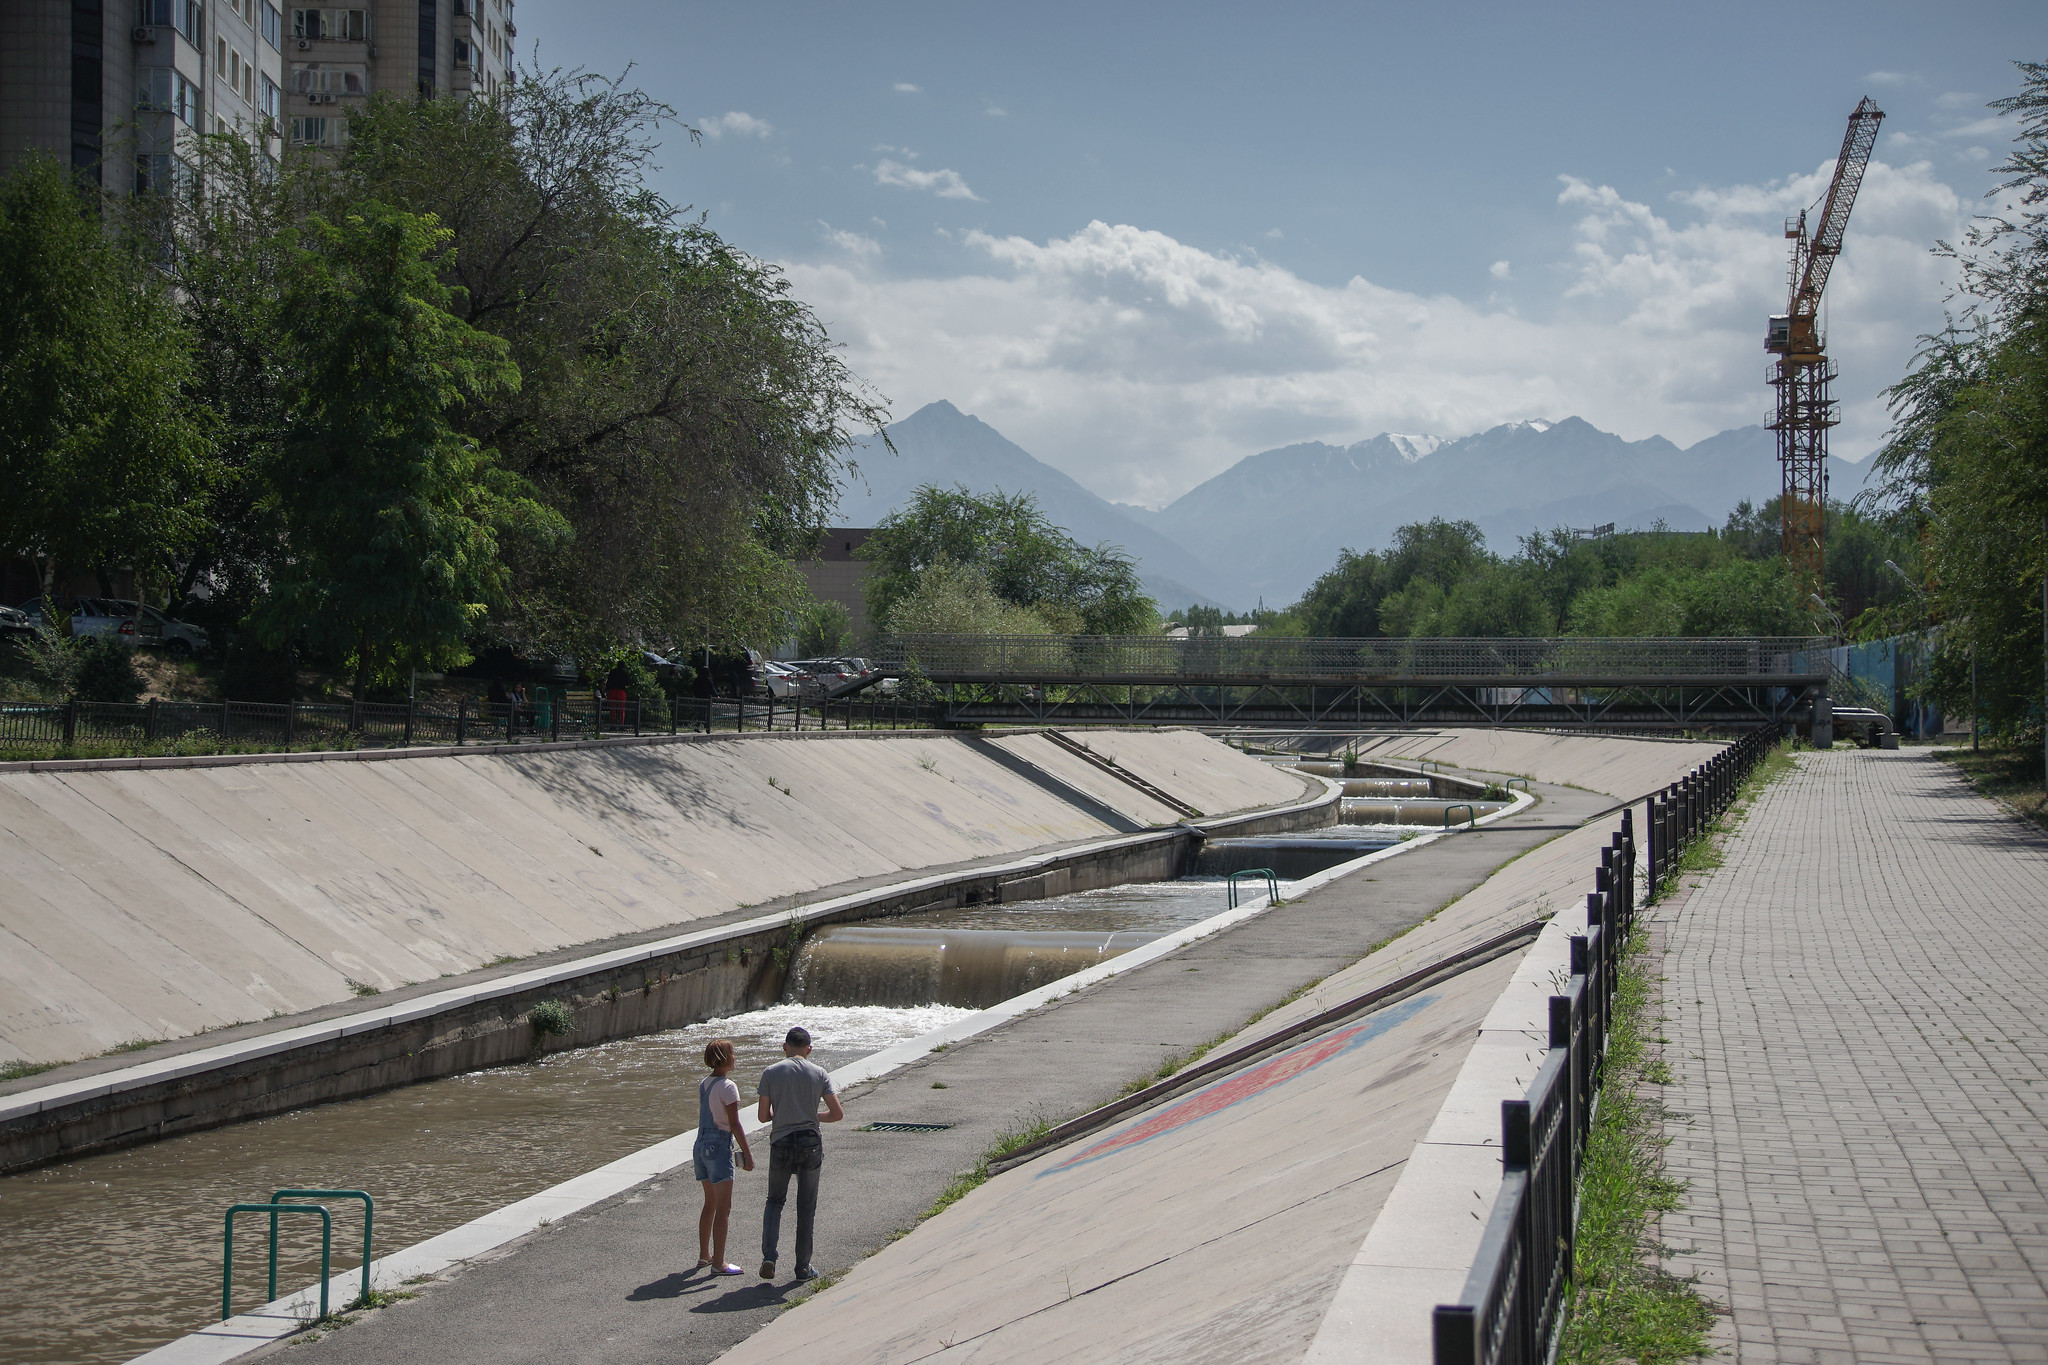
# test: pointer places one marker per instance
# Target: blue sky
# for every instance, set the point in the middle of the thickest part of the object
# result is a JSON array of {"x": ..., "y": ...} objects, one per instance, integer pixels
[{"x": 1145, "y": 240}]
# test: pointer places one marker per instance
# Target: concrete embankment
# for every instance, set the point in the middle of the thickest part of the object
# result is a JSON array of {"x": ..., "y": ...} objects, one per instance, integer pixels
[
  {"x": 158, "y": 900},
  {"x": 1220, "y": 1225},
  {"x": 1623, "y": 767}
]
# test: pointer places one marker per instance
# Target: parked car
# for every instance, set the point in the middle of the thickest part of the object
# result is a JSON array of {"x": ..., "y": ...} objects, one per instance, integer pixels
[
  {"x": 740, "y": 674},
  {"x": 16, "y": 624},
  {"x": 120, "y": 618},
  {"x": 148, "y": 626}
]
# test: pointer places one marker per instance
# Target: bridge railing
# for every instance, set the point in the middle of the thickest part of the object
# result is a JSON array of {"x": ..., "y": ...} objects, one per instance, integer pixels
[{"x": 1054, "y": 658}]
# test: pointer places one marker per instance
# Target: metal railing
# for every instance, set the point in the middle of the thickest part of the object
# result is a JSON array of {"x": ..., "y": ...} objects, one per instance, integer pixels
[
  {"x": 1513, "y": 1307},
  {"x": 277, "y": 1207},
  {"x": 1160, "y": 659},
  {"x": 560, "y": 715},
  {"x": 1271, "y": 878}
]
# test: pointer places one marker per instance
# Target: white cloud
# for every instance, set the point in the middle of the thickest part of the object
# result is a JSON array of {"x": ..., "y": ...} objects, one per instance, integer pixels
[
  {"x": 996, "y": 111},
  {"x": 738, "y": 123},
  {"x": 1275, "y": 233},
  {"x": 855, "y": 244},
  {"x": 1499, "y": 270},
  {"x": 1892, "y": 78},
  {"x": 1142, "y": 365},
  {"x": 906, "y": 88},
  {"x": 1958, "y": 99},
  {"x": 945, "y": 184}
]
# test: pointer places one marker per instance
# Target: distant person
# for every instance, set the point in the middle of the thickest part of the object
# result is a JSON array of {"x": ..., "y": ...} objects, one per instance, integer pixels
[
  {"x": 497, "y": 697},
  {"x": 718, "y": 1124},
  {"x": 790, "y": 1092},
  {"x": 615, "y": 692}
]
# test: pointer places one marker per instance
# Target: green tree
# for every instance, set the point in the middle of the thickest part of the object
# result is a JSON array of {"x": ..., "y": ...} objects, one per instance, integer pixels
[
  {"x": 394, "y": 518},
  {"x": 1019, "y": 556},
  {"x": 680, "y": 409},
  {"x": 1965, "y": 467},
  {"x": 823, "y": 630},
  {"x": 105, "y": 457}
]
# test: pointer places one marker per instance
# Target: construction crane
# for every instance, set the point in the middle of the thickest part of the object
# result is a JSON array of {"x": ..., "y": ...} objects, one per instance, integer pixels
[{"x": 1804, "y": 375}]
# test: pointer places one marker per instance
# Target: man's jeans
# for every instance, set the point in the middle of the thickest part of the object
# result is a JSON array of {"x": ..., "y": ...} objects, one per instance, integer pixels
[{"x": 800, "y": 1154}]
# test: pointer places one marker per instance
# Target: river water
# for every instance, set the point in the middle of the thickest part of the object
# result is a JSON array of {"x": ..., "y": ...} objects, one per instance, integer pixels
[{"x": 107, "y": 1256}]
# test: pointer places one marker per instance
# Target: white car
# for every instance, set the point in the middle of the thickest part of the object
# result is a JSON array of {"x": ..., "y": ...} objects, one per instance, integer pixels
[{"x": 114, "y": 618}]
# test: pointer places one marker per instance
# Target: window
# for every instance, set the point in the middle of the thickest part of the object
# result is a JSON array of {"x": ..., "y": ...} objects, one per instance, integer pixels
[
  {"x": 182, "y": 15},
  {"x": 272, "y": 101},
  {"x": 166, "y": 174},
  {"x": 273, "y": 26},
  {"x": 317, "y": 79},
  {"x": 461, "y": 53},
  {"x": 166, "y": 89},
  {"x": 339, "y": 25},
  {"x": 317, "y": 132}
]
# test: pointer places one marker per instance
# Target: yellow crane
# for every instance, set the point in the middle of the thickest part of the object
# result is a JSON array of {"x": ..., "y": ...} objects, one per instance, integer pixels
[{"x": 1803, "y": 375}]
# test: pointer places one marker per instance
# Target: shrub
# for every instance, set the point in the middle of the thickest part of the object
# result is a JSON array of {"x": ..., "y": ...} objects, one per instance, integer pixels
[
  {"x": 106, "y": 672},
  {"x": 253, "y": 673},
  {"x": 552, "y": 1019}
]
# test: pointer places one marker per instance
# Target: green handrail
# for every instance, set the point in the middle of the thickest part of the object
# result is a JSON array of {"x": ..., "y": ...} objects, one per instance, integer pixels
[
  {"x": 1272, "y": 883},
  {"x": 227, "y": 1249},
  {"x": 1513, "y": 780},
  {"x": 369, "y": 1219},
  {"x": 1471, "y": 813}
]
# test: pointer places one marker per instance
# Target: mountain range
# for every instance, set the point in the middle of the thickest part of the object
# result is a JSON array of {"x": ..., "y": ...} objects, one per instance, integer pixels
[{"x": 1265, "y": 528}]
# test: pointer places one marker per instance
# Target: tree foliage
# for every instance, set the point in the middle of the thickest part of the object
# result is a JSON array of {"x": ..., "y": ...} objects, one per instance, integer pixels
[
  {"x": 1965, "y": 467},
  {"x": 394, "y": 518},
  {"x": 105, "y": 456},
  {"x": 997, "y": 559}
]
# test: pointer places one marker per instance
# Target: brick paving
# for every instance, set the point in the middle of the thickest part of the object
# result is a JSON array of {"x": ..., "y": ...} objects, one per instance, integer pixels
[{"x": 1857, "y": 1013}]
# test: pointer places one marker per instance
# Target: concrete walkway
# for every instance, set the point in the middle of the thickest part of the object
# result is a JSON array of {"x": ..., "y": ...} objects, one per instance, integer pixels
[
  {"x": 614, "y": 1284},
  {"x": 1858, "y": 1022}
]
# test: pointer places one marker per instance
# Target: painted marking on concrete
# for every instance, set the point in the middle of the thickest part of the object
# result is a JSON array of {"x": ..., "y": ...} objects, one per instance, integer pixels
[{"x": 1246, "y": 1084}]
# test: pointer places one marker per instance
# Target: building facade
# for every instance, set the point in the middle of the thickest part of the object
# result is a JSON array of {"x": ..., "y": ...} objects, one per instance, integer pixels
[
  {"x": 337, "y": 56},
  {"x": 121, "y": 88}
]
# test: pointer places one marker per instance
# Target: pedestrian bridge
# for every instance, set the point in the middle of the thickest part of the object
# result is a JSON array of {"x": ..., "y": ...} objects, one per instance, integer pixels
[{"x": 1675, "y": 684}]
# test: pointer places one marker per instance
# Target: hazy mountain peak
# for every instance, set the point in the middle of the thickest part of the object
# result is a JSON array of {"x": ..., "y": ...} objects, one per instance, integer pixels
[{"x": 1413, "y": 448}]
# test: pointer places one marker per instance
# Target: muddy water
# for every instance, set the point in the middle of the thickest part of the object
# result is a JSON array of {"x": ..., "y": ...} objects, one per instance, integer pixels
[{"x": 105, "y": 1257}]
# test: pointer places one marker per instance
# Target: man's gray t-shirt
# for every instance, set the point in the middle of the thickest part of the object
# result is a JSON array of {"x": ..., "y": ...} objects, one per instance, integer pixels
[{"x": 793, "y": 1087}]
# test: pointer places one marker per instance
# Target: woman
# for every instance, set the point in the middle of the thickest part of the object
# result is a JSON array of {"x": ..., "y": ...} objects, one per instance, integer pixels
[{"x": 718, "y": 1123}]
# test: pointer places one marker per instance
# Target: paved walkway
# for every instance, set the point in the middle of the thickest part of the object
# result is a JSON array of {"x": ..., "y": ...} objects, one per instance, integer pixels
[{"x": 1858, "y": 1020}]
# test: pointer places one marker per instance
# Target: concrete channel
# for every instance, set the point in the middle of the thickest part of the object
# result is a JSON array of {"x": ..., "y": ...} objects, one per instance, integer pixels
[{"x": 866, "y": 969}]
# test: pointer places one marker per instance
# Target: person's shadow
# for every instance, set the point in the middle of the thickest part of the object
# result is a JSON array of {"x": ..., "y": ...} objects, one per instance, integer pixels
[{"x": 677, "y": 1284}]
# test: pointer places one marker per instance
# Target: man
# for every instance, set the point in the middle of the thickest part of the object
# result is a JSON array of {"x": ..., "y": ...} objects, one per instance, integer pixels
[{"x": 790, "y": 1091}]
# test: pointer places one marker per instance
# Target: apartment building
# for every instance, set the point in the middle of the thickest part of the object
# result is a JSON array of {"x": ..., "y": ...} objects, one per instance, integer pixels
[
  {"x": 120, "y": 87},
  {"x": 338, "y": 55}
]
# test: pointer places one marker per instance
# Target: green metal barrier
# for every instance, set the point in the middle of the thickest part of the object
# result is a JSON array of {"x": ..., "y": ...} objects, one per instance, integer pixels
[
  {"x": 1272, "y": 883},
  {"x": 1471, "y": 814},
  {"x": 369, "y": 1220},
  {"x": 1523, "y": 780},
  {"x": 227, "y": 1249}
]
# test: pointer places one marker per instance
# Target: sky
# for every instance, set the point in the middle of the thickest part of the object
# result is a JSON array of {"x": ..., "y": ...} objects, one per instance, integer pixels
[{"x": 1146, "y": 240}]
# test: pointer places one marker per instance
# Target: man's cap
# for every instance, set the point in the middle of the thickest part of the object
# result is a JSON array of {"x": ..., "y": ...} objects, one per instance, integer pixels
[{"x": 798, "y": 1037}]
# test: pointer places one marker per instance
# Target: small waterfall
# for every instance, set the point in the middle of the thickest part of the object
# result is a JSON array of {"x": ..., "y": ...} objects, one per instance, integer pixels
[{"x": 859, "y": 964}]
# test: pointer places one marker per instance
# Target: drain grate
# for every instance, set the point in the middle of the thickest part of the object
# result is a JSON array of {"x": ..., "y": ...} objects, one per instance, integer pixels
[{"x": 903, "y": 1128}]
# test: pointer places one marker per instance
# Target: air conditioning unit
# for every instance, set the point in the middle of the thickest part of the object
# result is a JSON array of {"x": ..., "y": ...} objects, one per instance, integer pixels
[
  {"x": 143, "y": 33},
  {"x": 305, "y": 43}
]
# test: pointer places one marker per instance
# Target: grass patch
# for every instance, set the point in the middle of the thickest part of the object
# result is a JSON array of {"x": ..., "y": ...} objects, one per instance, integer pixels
[
  {"x": 14, "y": 1071},
  {"x": 1008, "y": 1141},
  {"x": 1624, "y": 1305},
  {"x": 2011, "y": 777},
  {"x": 132, "y": 1045}
]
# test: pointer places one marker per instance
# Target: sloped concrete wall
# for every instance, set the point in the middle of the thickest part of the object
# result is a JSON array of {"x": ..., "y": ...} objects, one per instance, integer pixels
[{"x": 154, "y": 900}]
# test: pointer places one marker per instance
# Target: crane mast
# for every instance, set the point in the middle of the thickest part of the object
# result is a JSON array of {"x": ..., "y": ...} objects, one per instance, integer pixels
[{"x": 1803, "y": 375}]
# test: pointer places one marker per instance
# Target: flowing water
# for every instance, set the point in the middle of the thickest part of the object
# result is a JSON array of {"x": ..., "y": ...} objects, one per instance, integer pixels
[{"x": 107, "y": 1256}]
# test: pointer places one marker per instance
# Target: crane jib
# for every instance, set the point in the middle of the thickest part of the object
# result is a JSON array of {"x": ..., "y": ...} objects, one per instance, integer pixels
[{"x": 1834, "y": 218}]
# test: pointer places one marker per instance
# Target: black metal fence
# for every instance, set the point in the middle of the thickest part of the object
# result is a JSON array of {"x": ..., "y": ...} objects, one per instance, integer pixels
[
  {"x": 565, "y": 715},
  {"x": 1512, "y": 1309}
]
